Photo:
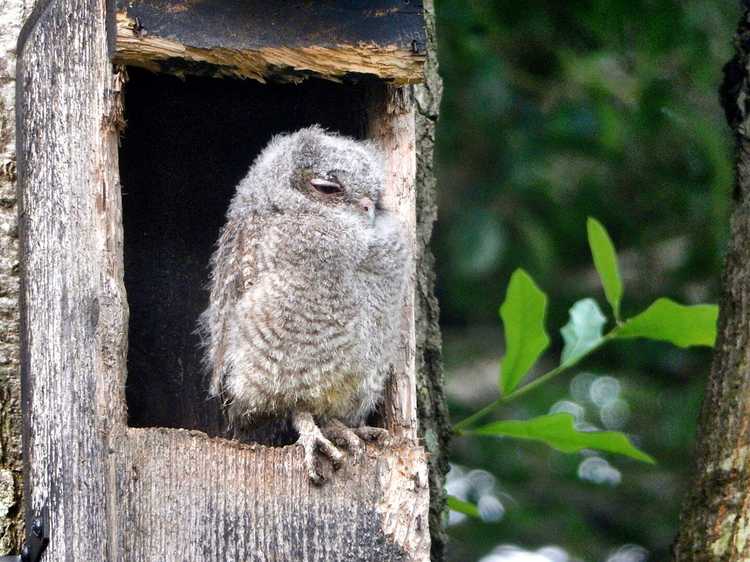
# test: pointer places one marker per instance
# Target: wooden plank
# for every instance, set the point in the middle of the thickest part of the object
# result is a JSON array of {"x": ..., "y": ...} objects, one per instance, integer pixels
[
  {"x": 191, "y": 498},
  {"x": 253, "y": 24},
  {"x": 73, "y": 310},
  {"x": 434, "y": 421},
  {"x": 281, "y": 40}
]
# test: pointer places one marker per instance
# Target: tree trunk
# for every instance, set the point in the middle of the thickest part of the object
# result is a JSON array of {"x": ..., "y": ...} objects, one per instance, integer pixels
[
  {"x": 715, "y": 523},
  {"x": 12, "y": 14}
]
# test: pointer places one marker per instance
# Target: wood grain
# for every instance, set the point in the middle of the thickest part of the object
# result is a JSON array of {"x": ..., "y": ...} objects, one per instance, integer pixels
[
  {"x": 280, "y": 40},
  {"x": 391, "y": 127},
  {"x": 12, "y": 13},
  {"x": 432, "y": 409},
  {"x": 72, "y": 309},
  {"x": 192, "y": 498}
]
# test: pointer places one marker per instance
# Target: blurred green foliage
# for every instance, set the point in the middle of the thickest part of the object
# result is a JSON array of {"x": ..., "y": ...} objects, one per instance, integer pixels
[{"x": 554, "y": 111}]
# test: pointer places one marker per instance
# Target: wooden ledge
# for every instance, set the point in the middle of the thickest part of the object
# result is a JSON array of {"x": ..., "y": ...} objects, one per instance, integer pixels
[
  {"x": 262, "y": 501},
  {"x": 283, "y": 41}
]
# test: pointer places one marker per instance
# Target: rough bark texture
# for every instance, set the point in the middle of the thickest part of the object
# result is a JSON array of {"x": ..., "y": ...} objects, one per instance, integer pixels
[
  {"x": 434, "y": 424},
  {"x": 119, "y": 493},
  {"x": 12, "y": 13},
  {"x": 715, "y": 523}
]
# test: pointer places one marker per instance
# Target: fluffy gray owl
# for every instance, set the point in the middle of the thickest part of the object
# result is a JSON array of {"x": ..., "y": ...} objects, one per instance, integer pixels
[{"x": 306, "y": 290}]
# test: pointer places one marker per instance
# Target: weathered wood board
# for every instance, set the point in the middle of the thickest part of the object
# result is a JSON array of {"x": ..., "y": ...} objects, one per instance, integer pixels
[
  {"x": 73, "y": 310},
  {"x": 391, "y": 127},
  {"x": 282, "y": 40},
  {"x": 190, "y": 498}
]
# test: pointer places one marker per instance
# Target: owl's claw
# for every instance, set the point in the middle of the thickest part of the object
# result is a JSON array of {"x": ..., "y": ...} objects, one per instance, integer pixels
[
  {"x": 368, "y": 433},
  {"x": 352, "y": 438},
  {"x": 313, "y": 441},
  {"x": 342, "y": 435}
]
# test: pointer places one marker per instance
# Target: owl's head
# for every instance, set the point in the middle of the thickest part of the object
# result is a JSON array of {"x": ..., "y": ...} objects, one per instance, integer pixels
[{"x": 315, "y": 172}]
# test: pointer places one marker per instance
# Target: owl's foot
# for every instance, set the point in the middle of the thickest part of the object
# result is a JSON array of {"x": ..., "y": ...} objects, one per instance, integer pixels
[
  {"x": 337, "y": 432},
  {"x": 313, "y": 441},
  {"x": 352, "y": 438},
  {"x": 369, "y": 433}
]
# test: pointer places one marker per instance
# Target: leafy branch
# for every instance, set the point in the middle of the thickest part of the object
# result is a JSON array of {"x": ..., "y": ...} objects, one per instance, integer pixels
[{"x": 523, "y": 315}]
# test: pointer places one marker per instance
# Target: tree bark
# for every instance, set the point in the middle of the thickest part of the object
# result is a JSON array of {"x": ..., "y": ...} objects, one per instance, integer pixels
[
  {"x": 12, "y": 14},
  {"x": 715, "y": 522},
  {"x": 434, "y": 423}
]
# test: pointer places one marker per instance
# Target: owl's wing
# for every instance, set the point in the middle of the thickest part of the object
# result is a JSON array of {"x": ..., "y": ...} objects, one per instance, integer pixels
[{"x": 233, "y": 271}]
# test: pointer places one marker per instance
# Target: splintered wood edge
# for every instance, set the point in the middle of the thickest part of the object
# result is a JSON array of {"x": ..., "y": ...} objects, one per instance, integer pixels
[
  {"x": 392, "y": 129},
  {"x": 163, "y": 470},
  {"x": 392, "y": 63}
]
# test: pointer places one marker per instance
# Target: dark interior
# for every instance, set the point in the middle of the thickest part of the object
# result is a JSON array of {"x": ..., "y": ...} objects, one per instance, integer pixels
[{"x": 186, "y": 145}]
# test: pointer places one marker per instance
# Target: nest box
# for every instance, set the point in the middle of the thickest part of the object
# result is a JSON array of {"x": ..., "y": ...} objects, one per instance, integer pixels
[{"x": 135, "y": 122}]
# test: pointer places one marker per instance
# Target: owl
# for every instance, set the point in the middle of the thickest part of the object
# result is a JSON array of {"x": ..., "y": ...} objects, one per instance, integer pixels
[{"x": 306, "y": 288}]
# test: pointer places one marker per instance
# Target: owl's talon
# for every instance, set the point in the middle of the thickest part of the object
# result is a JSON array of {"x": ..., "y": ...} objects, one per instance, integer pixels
[
  {"x": 313, "y": 446},
  {"x": 342, "y": 435},
  {"x": 313, "y": 441},
  {"x": 373, "y": 434}
]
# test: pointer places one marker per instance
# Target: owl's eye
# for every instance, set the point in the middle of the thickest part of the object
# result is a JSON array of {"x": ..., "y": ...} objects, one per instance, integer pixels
[{"x": 327, "y": 186}]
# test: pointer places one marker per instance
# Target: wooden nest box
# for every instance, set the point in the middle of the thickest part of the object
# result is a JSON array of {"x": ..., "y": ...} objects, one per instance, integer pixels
[{"x": 136, "y": 122}]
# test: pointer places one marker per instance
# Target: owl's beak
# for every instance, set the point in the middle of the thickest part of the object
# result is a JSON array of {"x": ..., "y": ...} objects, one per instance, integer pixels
[{"x": 368, "y": 207}]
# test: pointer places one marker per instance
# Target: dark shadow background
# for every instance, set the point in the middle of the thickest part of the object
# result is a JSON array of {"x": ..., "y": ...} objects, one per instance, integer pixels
[{"x": 186, "y": 146}]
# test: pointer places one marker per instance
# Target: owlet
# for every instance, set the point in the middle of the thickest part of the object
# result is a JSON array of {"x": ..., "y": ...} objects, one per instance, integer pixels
[{"x": 307, "y": 283}]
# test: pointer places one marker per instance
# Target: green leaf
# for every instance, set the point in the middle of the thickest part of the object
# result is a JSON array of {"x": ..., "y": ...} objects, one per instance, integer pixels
[
  {"x": 462, "y": 506},
  {"x": 681, "y": 325},
  {"x": 558, "y": 431},
  {"x": 605, "y": 260},
  {"x": 523, "y": 314},
  {"x": 583, "y": 332}
]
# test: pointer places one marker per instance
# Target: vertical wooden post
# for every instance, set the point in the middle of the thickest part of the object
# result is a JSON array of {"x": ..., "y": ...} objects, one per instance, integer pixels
[
  {"x": 72, "y": 301},
  {"x": 391, "y": 127}
]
